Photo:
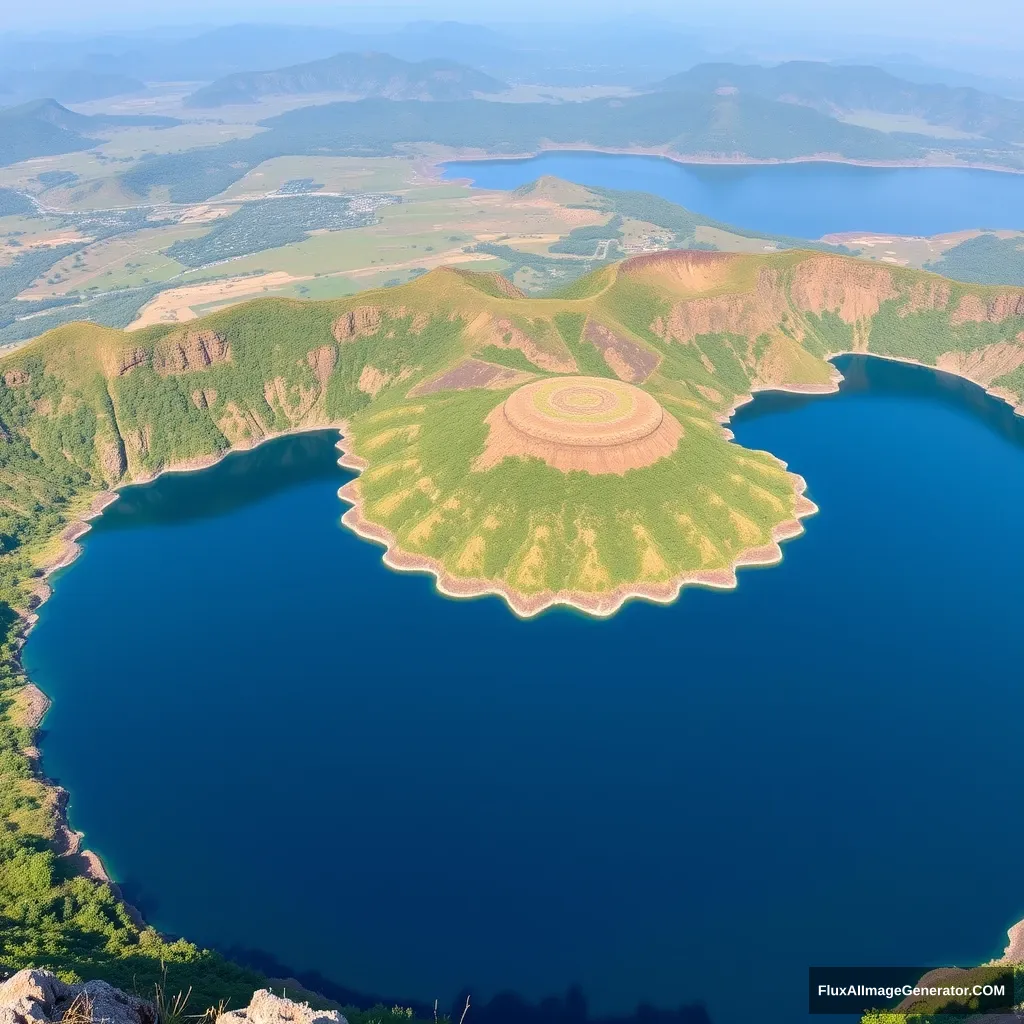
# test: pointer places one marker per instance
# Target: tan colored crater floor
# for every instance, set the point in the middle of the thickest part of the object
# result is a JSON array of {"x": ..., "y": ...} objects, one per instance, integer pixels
[{"x": 581, "y": 423}]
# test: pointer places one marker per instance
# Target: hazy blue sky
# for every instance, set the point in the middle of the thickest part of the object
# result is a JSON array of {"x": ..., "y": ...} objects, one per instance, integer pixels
[{"x": 999, "y": 21}]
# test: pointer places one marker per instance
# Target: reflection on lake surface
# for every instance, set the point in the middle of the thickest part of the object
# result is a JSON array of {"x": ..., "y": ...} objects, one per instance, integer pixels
[
  {"x": 806, "y": 200},
  {"x": 283, "y": 747}
]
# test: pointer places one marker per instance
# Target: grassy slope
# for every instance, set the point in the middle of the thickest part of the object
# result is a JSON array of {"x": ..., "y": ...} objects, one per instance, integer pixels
[{"x": 84, "y": 408}]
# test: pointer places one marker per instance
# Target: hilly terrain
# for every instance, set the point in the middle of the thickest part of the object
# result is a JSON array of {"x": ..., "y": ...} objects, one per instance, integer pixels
[
  {"x": 358, "y": 74},
  {"x": 45, "y": 128},
  {"x": 838, "y": 89}
]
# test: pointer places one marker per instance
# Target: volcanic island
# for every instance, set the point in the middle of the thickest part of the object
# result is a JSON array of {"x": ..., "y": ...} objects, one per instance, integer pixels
[
  {"x": 570, "y": 450},
  {"x": 569, "y": 455}
]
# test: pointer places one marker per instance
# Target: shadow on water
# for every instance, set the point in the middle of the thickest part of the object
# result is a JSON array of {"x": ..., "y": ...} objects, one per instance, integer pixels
[
  {"x": 885, "y": 378},
  {"x": 503, "y": 1008},
  {"x": 238, "y": 480}
]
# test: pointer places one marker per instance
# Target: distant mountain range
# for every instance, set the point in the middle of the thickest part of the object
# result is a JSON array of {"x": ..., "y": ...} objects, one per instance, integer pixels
[
  {"x": 233, "y": 49},
  {"x": 359, "y": 74},
  {"x": 837, "y": 89},
  {"x": 45, "y": 128},
  {"x": 623, "y": 51},
  {"x": 76, "y": 86}
]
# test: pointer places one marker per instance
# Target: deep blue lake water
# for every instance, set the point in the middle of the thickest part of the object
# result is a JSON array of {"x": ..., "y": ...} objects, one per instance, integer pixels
[
  {"x": 280, "y": 745},
  {"x": 806, "y": 200}
]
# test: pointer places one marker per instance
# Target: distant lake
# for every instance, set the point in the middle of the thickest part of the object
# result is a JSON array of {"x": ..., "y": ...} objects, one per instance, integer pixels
[
  {"x": 282, "y": 747},
  {"x": 806, "y": 200}
]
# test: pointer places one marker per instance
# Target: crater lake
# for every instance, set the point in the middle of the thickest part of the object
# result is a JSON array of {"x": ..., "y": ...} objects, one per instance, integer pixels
[{"x": 287, "y": 751}]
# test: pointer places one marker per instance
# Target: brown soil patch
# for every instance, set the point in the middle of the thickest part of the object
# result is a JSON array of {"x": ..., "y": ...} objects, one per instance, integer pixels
[
  {"x": 831, "y": 284},
  {"x": 175, "y": 304},
  {"x": 473, "y": 373},
  {"x": 30, "y": 705},
  {"x": 203, "y": 398},
  {"x": 118, "y": 363},
  {"x": 747, "y": 314},
  {"x": 503, "y": 333},
  {"x": 926, "y": 296},
  {"x": 694, "y": 269},
  {"x": 322, "y": 361},
  {"x": 195, "y": 350},
  {"x": 628, "y": 360},
  {"x": 241, "y": 427},
  {"x": 372, "y": 381},
  {"x": 581, "y": 423},
  {"x": 974, "y": 309},
  {"x": 361, "y": 322},
  {"x": 506, "y": 287},
  {"x": 984, "y": 365},
  {"x": 295, "y": 401}
]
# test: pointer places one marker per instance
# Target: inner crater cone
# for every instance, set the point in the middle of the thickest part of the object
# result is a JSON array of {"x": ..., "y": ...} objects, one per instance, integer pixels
[
  {"x": 591, "y": 424},
  {"x": 586, "y": 412}
]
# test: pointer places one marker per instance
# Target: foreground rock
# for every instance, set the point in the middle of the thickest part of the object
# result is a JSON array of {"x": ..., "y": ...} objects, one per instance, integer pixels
[
  {"x": 34, "y": 997},
  {"x": 266, "y": 1008},
  {"x": 40, "y": 997}
]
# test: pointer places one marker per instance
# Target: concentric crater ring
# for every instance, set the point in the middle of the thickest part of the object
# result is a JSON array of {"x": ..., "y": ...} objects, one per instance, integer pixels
[{"x": 584, "y": 412}]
